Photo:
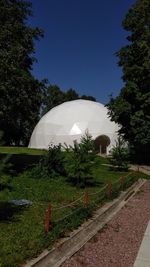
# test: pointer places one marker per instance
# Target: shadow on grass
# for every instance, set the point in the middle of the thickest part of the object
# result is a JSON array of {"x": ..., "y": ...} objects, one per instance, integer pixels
[
  {"x": 8, "y": 211},
  {"x": 93, "y": 183},
  {"x": 90, "y": 183},
  {"x": 6, "y": 186}
]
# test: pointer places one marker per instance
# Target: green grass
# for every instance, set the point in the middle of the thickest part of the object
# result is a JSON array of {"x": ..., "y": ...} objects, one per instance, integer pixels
[
  {"x": 21, "y": 150},
  {"x": 22, "y": 229},
  {"x": 21, "y": 158}
]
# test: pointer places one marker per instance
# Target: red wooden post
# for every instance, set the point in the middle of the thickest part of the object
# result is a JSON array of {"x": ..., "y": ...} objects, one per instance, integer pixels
[
  {"x": 122, "y": 180},
  {"x": 48, "y": 219},
  {"x": 86, "y": 199},
  {"x": 109, "y": 188}
]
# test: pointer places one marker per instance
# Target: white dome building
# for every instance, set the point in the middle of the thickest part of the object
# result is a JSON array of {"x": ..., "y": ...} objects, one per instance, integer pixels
[{"x": 69, "y": 121}]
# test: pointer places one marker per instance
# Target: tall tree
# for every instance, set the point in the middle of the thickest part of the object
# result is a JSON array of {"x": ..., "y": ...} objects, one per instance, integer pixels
[
  {"x": 53, "y": 97},
  {"x": 20, "y": 92},
  {"x": 88, "y": 97},
  {"x": 71, "y": 94},
  {"x": 131, "y": 108}
]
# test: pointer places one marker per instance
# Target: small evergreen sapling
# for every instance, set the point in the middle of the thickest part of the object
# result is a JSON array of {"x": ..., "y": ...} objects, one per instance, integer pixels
[
  {"x": 81, "y": 161},
  {"x": 120, "y": 155}
]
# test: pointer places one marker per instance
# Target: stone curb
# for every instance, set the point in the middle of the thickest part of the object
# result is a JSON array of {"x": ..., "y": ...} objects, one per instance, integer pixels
[{"x": 77, "y": 239}]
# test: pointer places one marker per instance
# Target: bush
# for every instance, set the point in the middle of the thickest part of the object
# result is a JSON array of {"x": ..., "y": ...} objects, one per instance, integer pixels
[
  {"x": 5, "y": 182},
  {"x": 51, "y": 164},
  {"x": 5, "y": 165}
]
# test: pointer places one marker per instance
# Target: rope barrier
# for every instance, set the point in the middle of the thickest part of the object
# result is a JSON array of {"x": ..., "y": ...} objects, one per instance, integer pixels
[
  {"x": 128, "y": 174},
  {"x": 40, "y": 204},
  {"x": 85, "y": 196},
  {"x": 68, "y": 205},
  {"x": 116, "y": 182},
  {"x": 59, "y": 220},
  {"x": 95, "y": 193}
]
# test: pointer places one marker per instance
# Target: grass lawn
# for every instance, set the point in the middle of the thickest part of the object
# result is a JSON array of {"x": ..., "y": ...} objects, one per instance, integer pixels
[
  {"x": 21, "y": 157},
  {"x": 21, "y": 150},
  {"x": 22, "y": 228}
]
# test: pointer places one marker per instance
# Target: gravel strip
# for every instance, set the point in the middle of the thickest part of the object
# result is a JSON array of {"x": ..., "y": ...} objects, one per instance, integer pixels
[{"x": 117, "y": 244}]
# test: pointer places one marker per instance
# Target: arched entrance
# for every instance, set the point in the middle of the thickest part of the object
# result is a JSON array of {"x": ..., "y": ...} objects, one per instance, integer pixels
[{"x": 101, "y": 144}]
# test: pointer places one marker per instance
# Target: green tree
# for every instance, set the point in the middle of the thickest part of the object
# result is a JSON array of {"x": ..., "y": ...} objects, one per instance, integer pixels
[
  {"x": 86, "y": 97},
  {"x": 53, "y": 97},
  {"x": 71, "y": 94},
  {"x": 120, "y": 155},
  {"x": 81, "y": 161},
  {"x": 20, "y": 92},
  {"x": 131, "y": 108}
]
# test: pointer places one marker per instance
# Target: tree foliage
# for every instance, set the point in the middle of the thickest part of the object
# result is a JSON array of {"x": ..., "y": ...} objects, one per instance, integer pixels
[
  {"x": 131, "y": 108},
  {"x": 81, "y": 161},
  {"x": 5, "y": 171},
  {"x": 1, "y": 138},
  {"x": 77, "y": 164},
  {"x": 71, "y": 94},
  {"x": 51, "y": 165},
  {"x": 120, "y": 155},
  {"x": 53, "y": 161},
  {"x": 5, "y": 165},
  {"x": 88, "y": 97},
  {"x": 53, "y": 97},
  {"x": 20, "y": 92}
]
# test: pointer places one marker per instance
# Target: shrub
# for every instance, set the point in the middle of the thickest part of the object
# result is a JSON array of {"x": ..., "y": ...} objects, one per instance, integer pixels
[
  {"x": 5, "y": 182},
  {"x": 51, "y": 164},
  {"x": 5, "y": 165}
]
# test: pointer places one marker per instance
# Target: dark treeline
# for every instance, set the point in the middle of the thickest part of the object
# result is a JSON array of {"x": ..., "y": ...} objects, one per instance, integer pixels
[
  {"x": 131, "y": 109},
  {"x": 23, "y": 98}
]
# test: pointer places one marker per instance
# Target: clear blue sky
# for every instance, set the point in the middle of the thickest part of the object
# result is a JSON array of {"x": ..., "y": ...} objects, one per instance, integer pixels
[{"x": 81, "y": 37}]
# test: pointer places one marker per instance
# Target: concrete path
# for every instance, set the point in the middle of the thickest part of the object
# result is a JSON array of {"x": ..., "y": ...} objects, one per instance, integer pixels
[{"x": 143, "y": 257}]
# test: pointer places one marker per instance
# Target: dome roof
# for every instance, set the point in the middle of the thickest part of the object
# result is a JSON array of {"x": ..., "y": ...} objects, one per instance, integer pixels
[{"x": 69, "y": 121}]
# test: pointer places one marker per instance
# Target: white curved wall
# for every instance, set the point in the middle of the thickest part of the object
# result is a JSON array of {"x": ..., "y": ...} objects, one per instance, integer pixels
[{"x": 69, "y": 121}]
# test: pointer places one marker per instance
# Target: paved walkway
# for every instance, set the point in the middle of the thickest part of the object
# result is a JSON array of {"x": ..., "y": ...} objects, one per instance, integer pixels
[
  {"x": 117, "y": 245},
  {"x": 143, "y": 257}
]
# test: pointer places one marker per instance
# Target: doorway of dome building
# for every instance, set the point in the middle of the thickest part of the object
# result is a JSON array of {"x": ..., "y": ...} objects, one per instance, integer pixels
[{"x": 101, "y": 143}]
